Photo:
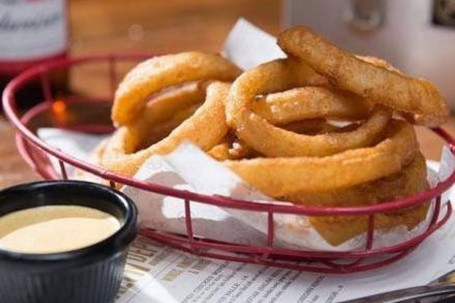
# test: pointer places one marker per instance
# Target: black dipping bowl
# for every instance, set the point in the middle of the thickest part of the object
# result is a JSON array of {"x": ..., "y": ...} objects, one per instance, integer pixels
[{"x": 90, "y": 274}]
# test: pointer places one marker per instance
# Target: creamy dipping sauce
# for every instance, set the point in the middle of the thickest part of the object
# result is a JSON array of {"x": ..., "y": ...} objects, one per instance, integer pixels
[{"x": 56, "y": 228}]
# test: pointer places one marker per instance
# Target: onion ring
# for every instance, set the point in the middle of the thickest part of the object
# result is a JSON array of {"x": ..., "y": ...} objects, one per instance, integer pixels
[
  {"x": 158, "y": 73},
  {"x": 278, "y": 177},
  {"x": 272, "y": 141},
  {"x": 220, "y": 151},
  {"x": 276, "y": 142},
  {"x": 231, "y": 148},
  {"x": 410, "y": 181},
  {"x": 319, "y": 126},
  {"x": 165, "y": 111},
  {"x": 157, "y": 132},
  {"x": 379, "y": 62},
  {"x": 205, "y": 128},
  {"x": 309, "y": 103},
  {"x": 378, "y": 84},
  {"x": 162, "y": 107}
]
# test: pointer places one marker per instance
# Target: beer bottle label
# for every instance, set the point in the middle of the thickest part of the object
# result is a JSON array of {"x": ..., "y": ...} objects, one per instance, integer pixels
[{"x": 32, "y": 29}]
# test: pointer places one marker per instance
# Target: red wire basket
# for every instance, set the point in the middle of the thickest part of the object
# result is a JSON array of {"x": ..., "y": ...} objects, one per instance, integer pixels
[{"x": 38, "y": 154}]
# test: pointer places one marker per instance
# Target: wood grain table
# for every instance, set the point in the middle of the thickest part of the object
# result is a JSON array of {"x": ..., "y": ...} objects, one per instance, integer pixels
[{"x": 158, "y": 26}]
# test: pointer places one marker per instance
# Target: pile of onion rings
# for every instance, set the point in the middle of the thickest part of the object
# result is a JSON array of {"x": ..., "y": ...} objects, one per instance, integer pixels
[
  {"x": 322, "y": 127},
  {"x": 158, "y": 106}
]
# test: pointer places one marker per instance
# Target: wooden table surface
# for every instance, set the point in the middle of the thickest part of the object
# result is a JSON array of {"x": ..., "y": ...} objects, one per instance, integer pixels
[{"x": 158, "y": 26}]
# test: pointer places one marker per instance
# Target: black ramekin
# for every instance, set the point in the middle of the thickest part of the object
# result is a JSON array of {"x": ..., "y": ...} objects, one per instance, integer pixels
[{"x": 90, "y": 274}]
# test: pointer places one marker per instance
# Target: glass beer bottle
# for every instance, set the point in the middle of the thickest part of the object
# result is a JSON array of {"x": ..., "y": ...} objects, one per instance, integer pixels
[{"x": 32, "y": 32}]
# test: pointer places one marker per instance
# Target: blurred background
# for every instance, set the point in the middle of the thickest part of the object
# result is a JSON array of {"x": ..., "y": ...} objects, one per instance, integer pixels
[
  {"x": 159, "y": 27},
  {"x": 163, "y": 26}
]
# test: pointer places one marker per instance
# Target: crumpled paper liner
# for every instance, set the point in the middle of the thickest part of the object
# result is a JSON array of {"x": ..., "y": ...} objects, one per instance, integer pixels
[{"x": 190, "y": 168}]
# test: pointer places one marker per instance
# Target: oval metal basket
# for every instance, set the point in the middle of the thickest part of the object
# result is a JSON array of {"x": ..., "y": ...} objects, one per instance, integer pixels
[{"x": 38, "y": 155}]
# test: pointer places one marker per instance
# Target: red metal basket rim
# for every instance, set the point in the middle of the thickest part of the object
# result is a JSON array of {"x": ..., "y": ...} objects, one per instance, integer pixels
[
  {"x": 318, "y": 253},
  {"x": 278, "y": 207}
]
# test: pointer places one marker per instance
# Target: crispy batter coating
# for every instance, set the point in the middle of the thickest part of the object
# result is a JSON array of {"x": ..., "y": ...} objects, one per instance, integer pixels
[
  {"x": 205, "y": 128},
  {"x": 160, "y": 72},
  {"x": 308, "y": 103},
  {"x": 278, "y": 177},
  {"x": 409, "y": 181},
  {"x": 273, "y": 141},
  {"x": 378, "y": 83}
]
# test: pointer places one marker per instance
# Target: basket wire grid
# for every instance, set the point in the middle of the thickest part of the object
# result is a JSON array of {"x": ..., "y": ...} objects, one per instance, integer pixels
[{"x": 37, "y": 154}]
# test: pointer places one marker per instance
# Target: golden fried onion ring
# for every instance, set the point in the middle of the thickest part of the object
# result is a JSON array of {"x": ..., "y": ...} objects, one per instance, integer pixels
[
  {"x": 231, "y": 148},
  {"x": 308, "y": 103},
  {"x": 158, "y": 73},
  {"x": 278, "y": 177},
  {"x": 378, "y": 84},
  {"x": 205, "y": 128},
  {"x": 337, "y": 229},
  {"x": 273, "y": 141},
  {"x": 162, "y": 106},
  {"x": 410, "y": 180}
]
